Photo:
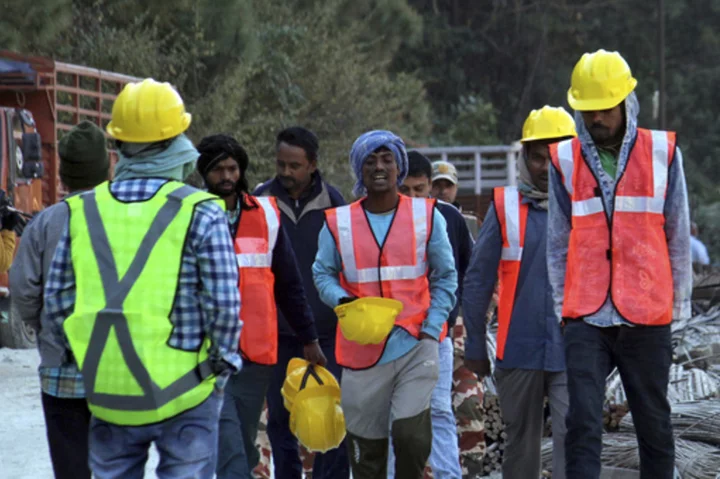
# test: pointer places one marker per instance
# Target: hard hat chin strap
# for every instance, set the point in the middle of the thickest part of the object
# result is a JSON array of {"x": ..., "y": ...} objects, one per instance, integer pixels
[{"x": 310, "y": 371}]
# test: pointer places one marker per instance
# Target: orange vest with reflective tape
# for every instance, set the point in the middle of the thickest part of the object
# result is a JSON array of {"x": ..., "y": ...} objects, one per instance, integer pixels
[
  {"x": 512, "y": 215},
  {"x": 396, "y": 269},
  {"x": 254, "y": 243},
  {"x": 625, "y": 258}
]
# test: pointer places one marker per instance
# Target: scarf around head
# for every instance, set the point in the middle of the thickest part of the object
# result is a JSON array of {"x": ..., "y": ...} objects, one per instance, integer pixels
[
  {"x": 526, "y": 186},
  {"x": 175, "y": 162},
  {"x": 366, "y": 144}
]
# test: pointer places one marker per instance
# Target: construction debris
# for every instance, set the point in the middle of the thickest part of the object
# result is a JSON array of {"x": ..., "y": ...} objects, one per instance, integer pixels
[{"x": 694, "y": 421}]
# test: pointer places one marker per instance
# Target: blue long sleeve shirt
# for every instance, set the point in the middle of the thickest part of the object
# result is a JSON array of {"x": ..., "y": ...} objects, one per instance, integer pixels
[
  {"x": 534, "y": 339},
  {"x": 442, "y": 278},
  {"x": 677, "y": 224}
]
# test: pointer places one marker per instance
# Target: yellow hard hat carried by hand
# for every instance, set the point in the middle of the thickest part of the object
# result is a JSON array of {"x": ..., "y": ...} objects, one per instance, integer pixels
[
  {"x": 548, "y": 123},
  {"x": 368, "y": 320},
  {"x": 312, "y": 395},
  {"x": 300, "y": 374},
  {"x": 600, "y": 81},
  {"x": 148, "y": 112}
]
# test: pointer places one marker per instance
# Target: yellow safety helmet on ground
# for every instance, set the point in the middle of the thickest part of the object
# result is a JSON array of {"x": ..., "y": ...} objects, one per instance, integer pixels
[
  {"x": 299, "y": 375},
  {"x": 548, "y": 123},
  {"x": 148, "y": 112},
  {"x": 600, "y": 81},
  {"x": 312, "y": 395},
  {"x": 368, "y": 320}
]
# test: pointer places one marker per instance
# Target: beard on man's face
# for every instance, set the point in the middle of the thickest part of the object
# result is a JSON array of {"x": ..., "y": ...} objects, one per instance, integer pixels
[{"x": 223, "y": 189}]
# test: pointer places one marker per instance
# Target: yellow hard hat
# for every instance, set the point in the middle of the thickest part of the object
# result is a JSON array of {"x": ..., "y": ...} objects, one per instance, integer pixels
[
  {"x": 548, "y": 123},
  {"x": 312, "y": 396},
  {"x": 600, "y": 81},
  {"x": 368, "y": 320},
  {"x": 301, "y": 375},
  {"x": 317, "y": 420},
  {"x": 147, "y": 112}
]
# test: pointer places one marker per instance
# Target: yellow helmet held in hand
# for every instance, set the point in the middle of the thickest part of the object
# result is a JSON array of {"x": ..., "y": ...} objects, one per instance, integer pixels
[
  {"x": 368, "y": 320},
  {"x": 548, "y": 123},
  {"x": 300, "y": 375},
  {"x": 312, "y": 395},
  {"x": 148, "y": 112},
  {"x": 600, "y": 81}
]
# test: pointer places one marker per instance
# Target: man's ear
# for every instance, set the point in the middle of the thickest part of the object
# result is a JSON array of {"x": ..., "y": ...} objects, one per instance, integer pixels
[{"x": 313, "y": 166}]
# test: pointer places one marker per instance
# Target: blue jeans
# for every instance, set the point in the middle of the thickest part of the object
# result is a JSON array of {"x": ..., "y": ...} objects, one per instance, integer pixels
[
  {"x": 239, "y": 418},
  {"x": 643, "y": 356},
  {"x": 445, "y": 453},
  {"x": 186, "y": 445},
  {"x": 286, "y": 457}
]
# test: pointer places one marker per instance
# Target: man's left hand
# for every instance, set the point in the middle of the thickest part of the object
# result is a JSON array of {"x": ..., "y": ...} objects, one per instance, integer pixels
[
  {"x": 426, "y": 336},
  {"x": 313, "y": 354}
]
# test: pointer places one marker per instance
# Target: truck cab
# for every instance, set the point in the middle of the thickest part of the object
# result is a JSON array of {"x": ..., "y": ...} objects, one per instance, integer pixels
[{"x": 40, "y": 100}]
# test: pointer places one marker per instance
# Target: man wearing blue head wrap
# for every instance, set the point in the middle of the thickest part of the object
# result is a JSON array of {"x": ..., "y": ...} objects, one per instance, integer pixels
[{"x": 391, "y": 246}]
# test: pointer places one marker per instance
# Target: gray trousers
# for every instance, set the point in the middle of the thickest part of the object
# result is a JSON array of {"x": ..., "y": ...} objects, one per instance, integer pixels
[
  {"x": 521, "y": 393},
  {"x": 401, "y": 390}
]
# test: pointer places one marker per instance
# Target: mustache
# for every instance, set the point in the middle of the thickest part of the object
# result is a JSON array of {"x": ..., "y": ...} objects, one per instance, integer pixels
[{"x": 598, "y": 126}]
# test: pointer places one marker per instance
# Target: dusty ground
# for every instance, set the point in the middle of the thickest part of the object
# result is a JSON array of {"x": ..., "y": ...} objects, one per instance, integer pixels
[{"x": 23, "y": 445}]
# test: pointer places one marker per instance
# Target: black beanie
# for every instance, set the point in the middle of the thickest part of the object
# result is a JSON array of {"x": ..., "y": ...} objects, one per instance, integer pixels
[
  {"x": 217, "y": 148},
  {"x": 84, "y": 161}
]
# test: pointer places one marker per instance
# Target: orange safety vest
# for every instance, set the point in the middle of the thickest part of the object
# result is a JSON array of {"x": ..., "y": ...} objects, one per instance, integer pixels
[
  {"x": 625, "y": 257},
  {"x": 397, "y": 269},
  {"x": 512, "y": 215},
  {"x": 254, "y": 243}
]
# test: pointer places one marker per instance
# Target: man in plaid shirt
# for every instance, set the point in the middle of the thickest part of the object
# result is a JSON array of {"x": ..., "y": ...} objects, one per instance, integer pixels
[{"x": 204, "y": 316}]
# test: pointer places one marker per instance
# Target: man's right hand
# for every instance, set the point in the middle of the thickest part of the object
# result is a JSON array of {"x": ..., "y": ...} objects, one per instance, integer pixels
[
  {"x": 346, "y": 300},
  {"x": 481, "y": 367}
]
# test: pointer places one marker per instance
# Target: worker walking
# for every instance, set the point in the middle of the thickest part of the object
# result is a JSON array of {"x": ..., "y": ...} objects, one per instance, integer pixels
[
  {"x": 302, "y": 197},
  {"x": 144, "y": 285},
  {"x": 619, "y": 262},
  {"x": 268, "y": 273},
  {"x": 84, "y": 164},
  {"x": 511, "y": 248},
  {"x": 388, "y": 245},
  {"x": 444, "y": 455}
]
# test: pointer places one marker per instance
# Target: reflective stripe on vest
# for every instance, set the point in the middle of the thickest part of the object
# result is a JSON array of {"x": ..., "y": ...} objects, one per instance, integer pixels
[
  {"x": 512, "y": 215},
  {"x": 255, "y": 241},
  {"x": 398, "y": 270},
  {"x": 630, "y": 263},
  {"x": 155, "y": 403},
  {"x": 387, "y": 273},
  {"x": 261, "y": 259}
]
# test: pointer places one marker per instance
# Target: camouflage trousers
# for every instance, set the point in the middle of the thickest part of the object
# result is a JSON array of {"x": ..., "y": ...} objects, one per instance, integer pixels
[{"x": 467, "y": 396}]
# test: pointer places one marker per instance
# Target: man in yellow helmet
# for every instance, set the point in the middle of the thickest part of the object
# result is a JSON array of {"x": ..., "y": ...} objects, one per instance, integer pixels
[
  {"x": 143, "y": 284},
  {"x": 511, "y": 248},
  {"x": 619, "y": 262}
]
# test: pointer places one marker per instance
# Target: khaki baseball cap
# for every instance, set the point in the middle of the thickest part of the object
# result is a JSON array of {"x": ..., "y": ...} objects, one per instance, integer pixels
[{"x": 444, "y": 170}]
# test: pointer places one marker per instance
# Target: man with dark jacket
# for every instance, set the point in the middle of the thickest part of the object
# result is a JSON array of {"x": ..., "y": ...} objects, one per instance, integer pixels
[
  {"x": 268, "y": 273},
  {"x": 302, "y": 197},
  {"x": 444, "y": 455},
  {"x": 84, "y": 164}
]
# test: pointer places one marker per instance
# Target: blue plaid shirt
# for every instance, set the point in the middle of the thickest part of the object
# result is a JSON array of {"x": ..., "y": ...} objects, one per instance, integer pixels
[{"x": 207, "y": 303}]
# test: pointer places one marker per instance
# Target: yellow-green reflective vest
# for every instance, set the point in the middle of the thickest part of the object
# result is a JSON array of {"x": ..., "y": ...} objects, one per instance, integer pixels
[{"x": 127, "y": 259}]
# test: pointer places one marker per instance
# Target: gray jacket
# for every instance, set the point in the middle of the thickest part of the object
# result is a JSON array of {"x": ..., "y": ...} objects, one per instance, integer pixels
[{"x": 28, "y": 274}]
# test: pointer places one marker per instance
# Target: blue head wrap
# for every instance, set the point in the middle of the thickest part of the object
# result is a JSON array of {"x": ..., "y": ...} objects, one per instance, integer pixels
[{"x": 366, "y": 144}]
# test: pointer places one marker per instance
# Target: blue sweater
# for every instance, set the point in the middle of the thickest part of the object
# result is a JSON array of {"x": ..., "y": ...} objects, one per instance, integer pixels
[
  {"x": 442, "y": 278},
  {"x": 302, "y": 221},
  {"x": 534, "y": 340}
]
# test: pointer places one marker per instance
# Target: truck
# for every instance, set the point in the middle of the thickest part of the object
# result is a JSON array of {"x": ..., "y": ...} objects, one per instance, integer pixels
[{"x": 40, "y": 100}]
